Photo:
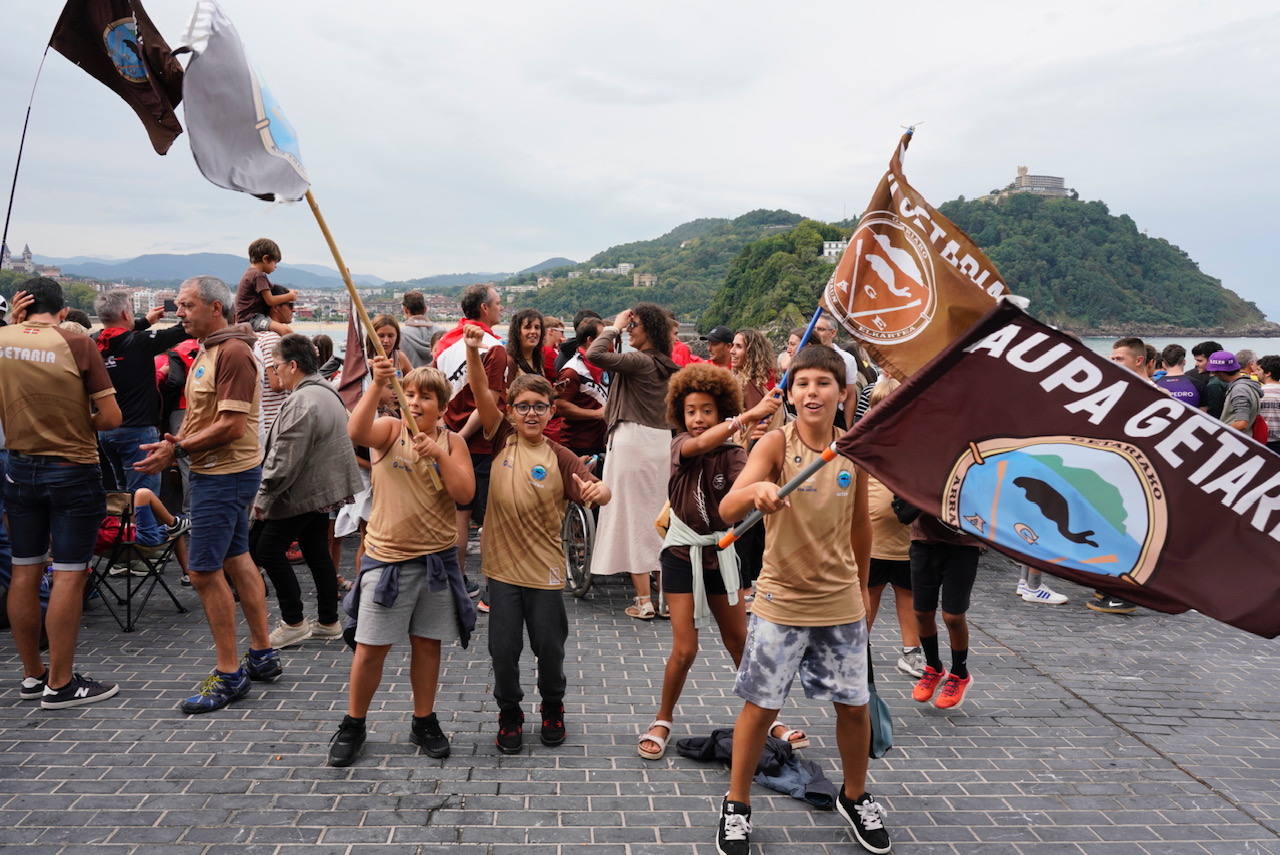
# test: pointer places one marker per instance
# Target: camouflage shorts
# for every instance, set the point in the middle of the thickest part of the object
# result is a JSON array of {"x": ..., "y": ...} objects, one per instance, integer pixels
[{"x": 831, "y": 662}]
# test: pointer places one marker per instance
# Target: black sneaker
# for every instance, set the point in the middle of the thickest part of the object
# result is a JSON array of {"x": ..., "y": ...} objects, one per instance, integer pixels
[
  {"x": 552, "y": 732},
  {"x": 32, "y": 688},
  {"x": 345, "y": 745},
  {"x": 1112, "y": 606},
  {"x": 81, "y": 690},
  {"x": 734, "y": 836},
  {"x": 866, "y": 815},
  {"x": 426, "y": 734},
  {"x": 263, "y": 665},
  {"x": 473, "y": 588},
  {"x": 180, "y": 526},
  {"x": 510, "y": 731}
]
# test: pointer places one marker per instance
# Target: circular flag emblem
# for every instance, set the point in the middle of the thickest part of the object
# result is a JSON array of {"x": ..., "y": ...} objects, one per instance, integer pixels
[
  {"x": 844, "y": 479},
  {"x": 1091, "y": 505},
  {"x": 121, "y": 40},
  {"x": 883, "y": 287},
  {"x": 538, "y": 472}
]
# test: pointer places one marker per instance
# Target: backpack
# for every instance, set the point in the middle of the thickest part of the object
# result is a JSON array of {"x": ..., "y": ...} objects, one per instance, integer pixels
[
  {"x": 1260, "y": 431},
  {"x": 175, "y": 381}
]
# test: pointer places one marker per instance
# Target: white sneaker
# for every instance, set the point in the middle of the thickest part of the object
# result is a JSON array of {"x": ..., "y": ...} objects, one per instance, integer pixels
[
  {"x": 326, "y": 631},
  {"x": 1022, "y": 587},
  {"x": 911, "y": 662},
  {"x": 1045, "y": 595},
  {"x": 287, "y": 636}
]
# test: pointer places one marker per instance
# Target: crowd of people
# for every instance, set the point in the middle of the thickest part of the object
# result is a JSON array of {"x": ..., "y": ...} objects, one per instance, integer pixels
[{"x": 243, "y": 426}]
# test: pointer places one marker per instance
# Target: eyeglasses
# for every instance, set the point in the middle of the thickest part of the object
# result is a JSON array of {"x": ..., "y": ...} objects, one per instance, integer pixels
[{"x": 524, "y": 407}]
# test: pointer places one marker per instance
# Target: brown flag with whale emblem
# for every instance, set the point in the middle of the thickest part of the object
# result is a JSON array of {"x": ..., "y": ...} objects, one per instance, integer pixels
[{"x": 910, "y": 282}]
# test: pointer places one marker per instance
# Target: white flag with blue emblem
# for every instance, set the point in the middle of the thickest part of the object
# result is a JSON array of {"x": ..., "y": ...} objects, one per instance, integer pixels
[{"x": 239, "y": 136}]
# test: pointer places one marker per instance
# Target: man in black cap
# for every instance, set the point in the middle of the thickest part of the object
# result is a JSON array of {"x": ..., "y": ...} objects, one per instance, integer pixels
[{"x": 718, "y": 341}]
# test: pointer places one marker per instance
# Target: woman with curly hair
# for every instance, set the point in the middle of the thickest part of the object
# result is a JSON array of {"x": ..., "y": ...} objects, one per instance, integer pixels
[
  {"x": 638, "y": 437},
  {"x": 699, "y": 581},
  {"x": 525, "y": 337},
  {"x": 751, "y": 358}
]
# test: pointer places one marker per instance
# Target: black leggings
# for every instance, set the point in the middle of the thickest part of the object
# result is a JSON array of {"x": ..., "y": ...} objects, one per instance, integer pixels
[
  {"x": 948, "y": 568},
  {"x": 268, "y": 542}
]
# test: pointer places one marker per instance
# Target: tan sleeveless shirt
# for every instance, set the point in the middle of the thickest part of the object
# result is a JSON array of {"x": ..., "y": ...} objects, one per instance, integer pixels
[
  {"x": 410, "y": 517},
  {"x": 810, "y": 577}
]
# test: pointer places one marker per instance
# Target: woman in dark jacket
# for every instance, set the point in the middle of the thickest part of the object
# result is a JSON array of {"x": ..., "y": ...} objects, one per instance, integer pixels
[{"x": 309, "y": 470}]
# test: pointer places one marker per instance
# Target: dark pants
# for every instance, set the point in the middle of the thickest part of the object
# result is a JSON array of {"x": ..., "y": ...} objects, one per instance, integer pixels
[
  {"x": 513, "y": 609},
  {"x": 270, "y": 540},
  {"x": 946, "y": 569},
  {"x": 54, "y": 502},
  {"x": 123, "y": 448}
]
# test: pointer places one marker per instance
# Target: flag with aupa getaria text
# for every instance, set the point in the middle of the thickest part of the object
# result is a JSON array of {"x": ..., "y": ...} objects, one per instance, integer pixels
[
  {"x": 1066, "y": 461},
  {"x": 910, "y": 282},
  {"x": 116, "y": 43}
]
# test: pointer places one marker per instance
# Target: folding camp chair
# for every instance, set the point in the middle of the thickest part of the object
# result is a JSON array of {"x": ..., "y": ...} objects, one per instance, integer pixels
[{"x": 123, "y": 551}]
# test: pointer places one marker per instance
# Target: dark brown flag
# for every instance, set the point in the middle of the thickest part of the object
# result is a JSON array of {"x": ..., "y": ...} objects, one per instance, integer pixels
[
  {"x": 910, "y": 282},
  {"x": 1066, "y": 461},
  {"x": 115, "y": 41}
]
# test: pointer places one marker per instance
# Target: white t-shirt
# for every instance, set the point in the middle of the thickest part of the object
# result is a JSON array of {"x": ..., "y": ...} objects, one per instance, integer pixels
[
  {"x": 271, "y": 400},
  {"x": 851, "y": 375}
]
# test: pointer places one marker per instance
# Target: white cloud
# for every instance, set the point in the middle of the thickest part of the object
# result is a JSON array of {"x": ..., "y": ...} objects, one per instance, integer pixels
[{"x": 446, "y": 137}]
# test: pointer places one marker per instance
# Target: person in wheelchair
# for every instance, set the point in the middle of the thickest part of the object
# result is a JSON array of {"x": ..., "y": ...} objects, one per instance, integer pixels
[{"x": 520, "y": 549}]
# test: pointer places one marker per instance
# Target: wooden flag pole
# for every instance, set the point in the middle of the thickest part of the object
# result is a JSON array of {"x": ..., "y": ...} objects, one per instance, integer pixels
[{"x": 366, "y": 322}]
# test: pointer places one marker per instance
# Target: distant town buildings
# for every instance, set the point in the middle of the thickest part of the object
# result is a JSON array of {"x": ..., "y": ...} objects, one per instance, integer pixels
[
  {"x": 574, "y": 274},
  {"x": 833, "y": 249},
  {"x": 644, "y": 280},
  {"x": 623, "y": 268},
  {"x": 1025, "y": 182},
  {"x": 543, "y": 282}
]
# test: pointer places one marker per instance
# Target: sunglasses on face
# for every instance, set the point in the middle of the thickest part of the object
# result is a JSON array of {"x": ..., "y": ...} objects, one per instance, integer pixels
[{"x": 524, "y": 407}]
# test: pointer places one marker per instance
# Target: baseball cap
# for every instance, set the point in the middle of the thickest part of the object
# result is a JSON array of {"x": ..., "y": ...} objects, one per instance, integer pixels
[
  {"x": 1222, "y": 360},
  {"x": 721, "y": 334}
]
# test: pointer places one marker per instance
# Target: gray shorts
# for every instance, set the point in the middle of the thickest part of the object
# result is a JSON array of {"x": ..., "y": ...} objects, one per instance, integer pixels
[
  {"x": 831, "y": 661},
  {"x": 417, "y": 610}
]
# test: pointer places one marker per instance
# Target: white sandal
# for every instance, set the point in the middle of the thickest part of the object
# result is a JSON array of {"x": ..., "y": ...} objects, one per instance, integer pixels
[
  {"x": 787, "y": 733},
  {"x": 641, "y": 610},
  {"x": 661, "y": 741}
]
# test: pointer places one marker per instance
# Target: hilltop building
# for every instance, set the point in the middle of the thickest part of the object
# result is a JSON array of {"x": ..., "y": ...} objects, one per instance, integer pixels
[
  {"x": 623, "y": 268},
  {"x": 26, "y": 263},
  {"x": 1040, "y": 185},
  {"x": 644, "y": 280},
  {"x": 833, "y": 249}
]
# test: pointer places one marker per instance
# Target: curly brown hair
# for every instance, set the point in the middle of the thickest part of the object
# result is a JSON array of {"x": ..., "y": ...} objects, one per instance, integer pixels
[{"x": 710, "y": 380}]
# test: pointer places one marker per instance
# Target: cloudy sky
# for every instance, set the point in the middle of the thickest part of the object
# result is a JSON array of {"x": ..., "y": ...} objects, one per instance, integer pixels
[{"x": 464, "y": 137}]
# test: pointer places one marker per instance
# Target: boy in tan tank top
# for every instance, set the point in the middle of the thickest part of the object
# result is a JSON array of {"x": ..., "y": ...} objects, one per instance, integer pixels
[
  {"x": 409, "y": 580},
  {"x": 808, "y": 617}
]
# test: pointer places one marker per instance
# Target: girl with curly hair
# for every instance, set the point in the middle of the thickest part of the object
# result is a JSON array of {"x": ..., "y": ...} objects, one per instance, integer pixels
[
  {"x": 525, "y": 338},
  {"x": 751, "y": 358},
  {"x": 636, "y": 455},
  {"x": 704, "y": 403}
]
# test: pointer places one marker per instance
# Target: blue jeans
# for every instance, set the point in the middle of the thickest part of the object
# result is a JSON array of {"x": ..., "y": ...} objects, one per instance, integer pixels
[
  {"x": 53, "y": 499},
  {"x": 122, "y": 447},
  {"x": 6, "y": 556},
  {"x": 220, "y": 517}
]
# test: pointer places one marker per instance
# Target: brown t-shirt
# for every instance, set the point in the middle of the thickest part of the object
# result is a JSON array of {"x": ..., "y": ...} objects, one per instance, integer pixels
[
  {"x": 411, "y": 517},
  {"x": 463, "y": 402},
  {"x": 585, "y": 392},
  {"x": 48, "y": 376},
  {"x": 890, "y": 539},
  {"x": 810, "y": 577},
  {"x": 638, "y": 391},
  {"x": 528, "y": 488},
  {"x": 224, "y": 379},
  {"x": 695, "y": 487},
  {"x": 249, "y": 302}
]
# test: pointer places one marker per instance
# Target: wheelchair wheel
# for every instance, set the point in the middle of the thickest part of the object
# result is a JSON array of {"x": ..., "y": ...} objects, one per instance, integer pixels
[{"x": 578, "y": 534}]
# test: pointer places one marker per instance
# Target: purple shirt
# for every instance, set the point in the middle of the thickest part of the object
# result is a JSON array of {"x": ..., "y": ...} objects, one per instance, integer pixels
[{"x": 1181, "y": 387}]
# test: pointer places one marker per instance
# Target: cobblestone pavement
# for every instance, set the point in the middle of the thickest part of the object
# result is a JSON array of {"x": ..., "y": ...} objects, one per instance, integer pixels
[{"x": 1084, "y": 733}]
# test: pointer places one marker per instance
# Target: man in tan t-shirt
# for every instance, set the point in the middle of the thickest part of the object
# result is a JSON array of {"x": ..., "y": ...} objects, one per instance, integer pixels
[
  {"x": 51, "y": 383},
  {"x": 220, "y": 437}
]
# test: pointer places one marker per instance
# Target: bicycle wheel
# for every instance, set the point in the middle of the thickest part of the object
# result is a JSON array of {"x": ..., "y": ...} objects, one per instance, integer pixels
[{"x": 578, "y": 535}]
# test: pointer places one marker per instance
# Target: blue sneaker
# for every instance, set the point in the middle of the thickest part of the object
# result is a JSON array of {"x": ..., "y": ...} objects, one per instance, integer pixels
[
  {"x": 216, "y": 692},
  {"x": 263, "y": 665}
]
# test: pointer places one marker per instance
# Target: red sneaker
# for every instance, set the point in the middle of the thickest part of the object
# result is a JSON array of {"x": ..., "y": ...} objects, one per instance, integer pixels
[
  {"x": 953, "y": 692},
  {"x": 927, "y": 685}
]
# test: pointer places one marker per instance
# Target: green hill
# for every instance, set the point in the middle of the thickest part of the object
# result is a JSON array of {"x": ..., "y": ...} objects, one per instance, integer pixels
[
  {"x": 690, "y": 261},
  {"x": 1082, "y": 268}
]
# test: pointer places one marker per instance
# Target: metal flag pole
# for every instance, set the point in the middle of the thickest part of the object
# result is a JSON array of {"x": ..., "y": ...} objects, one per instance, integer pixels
[
  {"x": 22, "y": 141},
  {"x": 358, "y": 305}
]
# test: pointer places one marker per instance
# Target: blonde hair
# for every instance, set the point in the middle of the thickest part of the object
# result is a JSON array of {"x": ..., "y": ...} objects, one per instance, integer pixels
[
  {"x": 757, "y": 362},
  {"x": 884, "y": 388},
  {"x": 429, "y": 380}
]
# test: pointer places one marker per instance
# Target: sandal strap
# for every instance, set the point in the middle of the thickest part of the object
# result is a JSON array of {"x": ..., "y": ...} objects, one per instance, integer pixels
[{"x": 660, "y": 741}]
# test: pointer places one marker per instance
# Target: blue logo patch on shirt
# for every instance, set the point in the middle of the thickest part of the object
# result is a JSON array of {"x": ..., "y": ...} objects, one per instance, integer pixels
[
  {"x": 844, "y": 479},
  {"x": 199, "y": 372},
  {"x": 538, "y": 472}
]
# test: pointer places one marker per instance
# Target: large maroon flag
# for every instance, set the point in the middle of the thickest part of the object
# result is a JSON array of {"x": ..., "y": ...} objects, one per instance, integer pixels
[
  {"x": 1064, "y": 460},
  {"x": 911, "y": 282}
]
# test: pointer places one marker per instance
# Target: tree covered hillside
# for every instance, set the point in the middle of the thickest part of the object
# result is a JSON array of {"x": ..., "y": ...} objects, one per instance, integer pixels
[
  {"x": 690, "y": 262},
  {"x": 1082, "y": 268}
]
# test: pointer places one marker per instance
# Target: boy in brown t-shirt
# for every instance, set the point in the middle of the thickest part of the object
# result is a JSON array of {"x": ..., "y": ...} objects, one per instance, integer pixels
[
  {"x": 521, "y": 553},
  {"x": 808, "y": 616},
  {"x": 255, "y": 298}
]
